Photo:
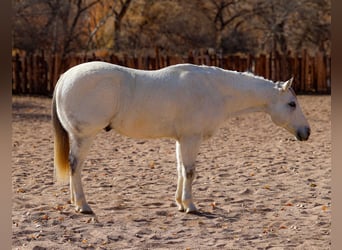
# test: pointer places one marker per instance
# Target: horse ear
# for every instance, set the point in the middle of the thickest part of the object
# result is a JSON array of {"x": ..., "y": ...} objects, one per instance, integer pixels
[{"x": 286, "y": 85}]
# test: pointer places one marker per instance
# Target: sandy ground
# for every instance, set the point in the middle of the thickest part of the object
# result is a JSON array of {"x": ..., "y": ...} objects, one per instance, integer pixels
[{"x": 256, "y": 188}]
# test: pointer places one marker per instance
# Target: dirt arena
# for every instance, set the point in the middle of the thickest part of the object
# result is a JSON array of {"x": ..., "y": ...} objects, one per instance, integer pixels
[{"x": 256, "y": 187}]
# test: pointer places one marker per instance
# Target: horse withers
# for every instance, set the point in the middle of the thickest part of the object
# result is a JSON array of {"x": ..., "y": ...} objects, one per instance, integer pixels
[{"x": 185, "y": 102}]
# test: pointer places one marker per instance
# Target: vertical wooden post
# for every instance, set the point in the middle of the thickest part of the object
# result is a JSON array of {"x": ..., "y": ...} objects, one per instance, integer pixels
[
  {"x": 263, "y": 65},
  {"x": 44, "y": 74},
  {"x": 295, "y": 73},
  {"x": 16, "y": 69},
  {"x": 303, "y": 71},
  {"x": 157, "y": 60},
  {"x": 51, "y": 73},
  {"x": 57, "y": 70},
  {"x": 321, "y": 73}
]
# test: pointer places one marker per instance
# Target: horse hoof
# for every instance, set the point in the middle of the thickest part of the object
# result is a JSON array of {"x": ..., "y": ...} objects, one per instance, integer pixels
[
  {"x": 191, "y": 209},
  {"x": 84, "y": 210},
  {"x": 188, "y": 211},
  {"x": 193, "y": 212},
  {"x": 87, "y": 212},
  {"x": 180, "y": 208}
]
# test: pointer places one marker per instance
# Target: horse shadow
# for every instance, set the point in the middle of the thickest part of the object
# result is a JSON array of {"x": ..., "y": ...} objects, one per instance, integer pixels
[{"x": 217, "y": 213}]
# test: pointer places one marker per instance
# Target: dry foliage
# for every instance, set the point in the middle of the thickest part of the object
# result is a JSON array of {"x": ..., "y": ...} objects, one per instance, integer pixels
[{"x": 174, "y": 26}]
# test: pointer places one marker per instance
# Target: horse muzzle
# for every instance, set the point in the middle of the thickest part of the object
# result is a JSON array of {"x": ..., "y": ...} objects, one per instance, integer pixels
[{"x": 303, "y": 134}]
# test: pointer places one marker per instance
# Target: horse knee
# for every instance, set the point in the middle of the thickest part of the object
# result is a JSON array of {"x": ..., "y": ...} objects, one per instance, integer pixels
[
  {"x": 190, "y": 174},
  {"x": 73, "y": 163}
]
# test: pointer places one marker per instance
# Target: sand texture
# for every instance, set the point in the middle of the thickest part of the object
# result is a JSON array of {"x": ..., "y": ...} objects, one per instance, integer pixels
[{"x": 256, "y": 187}]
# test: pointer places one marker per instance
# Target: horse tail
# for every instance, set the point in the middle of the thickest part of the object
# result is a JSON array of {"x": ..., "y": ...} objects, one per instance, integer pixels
[{"x": 61, "y": 146}]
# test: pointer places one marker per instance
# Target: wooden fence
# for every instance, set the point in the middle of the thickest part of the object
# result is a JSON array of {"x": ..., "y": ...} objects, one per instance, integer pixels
[{"x": 37, "y": 74}]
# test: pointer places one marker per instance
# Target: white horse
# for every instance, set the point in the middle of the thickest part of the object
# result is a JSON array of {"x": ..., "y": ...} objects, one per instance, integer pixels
[{"x": 184, "y": 102}]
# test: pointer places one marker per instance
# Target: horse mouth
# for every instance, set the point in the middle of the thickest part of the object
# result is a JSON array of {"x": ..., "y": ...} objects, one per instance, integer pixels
[{"x": 303, "y": 134}]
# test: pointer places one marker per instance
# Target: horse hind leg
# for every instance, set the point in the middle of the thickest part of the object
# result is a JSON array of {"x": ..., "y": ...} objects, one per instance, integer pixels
[{"x": 78, "y": 151}]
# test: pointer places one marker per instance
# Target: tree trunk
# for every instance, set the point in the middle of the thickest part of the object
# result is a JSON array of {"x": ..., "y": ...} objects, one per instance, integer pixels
[
  {"x": 118, "y": 16},
  {"x": 117, "y": 34}
]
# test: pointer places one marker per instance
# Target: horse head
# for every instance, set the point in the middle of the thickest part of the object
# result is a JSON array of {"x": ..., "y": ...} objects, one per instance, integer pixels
[{"x": 285, "y": 111}]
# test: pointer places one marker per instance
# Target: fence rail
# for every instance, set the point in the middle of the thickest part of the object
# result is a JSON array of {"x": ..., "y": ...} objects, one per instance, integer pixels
[{"x": 38, "y": 73}]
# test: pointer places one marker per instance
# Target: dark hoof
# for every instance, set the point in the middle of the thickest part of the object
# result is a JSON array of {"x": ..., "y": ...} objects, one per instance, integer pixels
[
  {"x": 84, "y": 211},
  {"x": 87, "y": 212},
  {"x": 196, "y": 212}
]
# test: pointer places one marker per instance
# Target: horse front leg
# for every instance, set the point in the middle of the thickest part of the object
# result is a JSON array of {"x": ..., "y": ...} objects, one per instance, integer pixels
[
  {"x": 179, "y": 191},
  {"x": 78, "y": 151},
  {"x": 188, "y": 148}
]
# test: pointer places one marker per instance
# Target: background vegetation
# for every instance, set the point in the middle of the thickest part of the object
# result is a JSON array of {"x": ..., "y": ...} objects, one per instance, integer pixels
[{"x": 174, "y": 26}]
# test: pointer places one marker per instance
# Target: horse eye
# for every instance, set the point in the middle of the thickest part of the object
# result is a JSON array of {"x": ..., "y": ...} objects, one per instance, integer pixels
[{"x": 292, "y": 104}]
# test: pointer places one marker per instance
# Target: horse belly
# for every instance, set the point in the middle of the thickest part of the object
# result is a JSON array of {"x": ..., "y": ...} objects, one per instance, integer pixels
[
  {"x": 143, "y": 126},
  {"x": 168, "y": 119}
]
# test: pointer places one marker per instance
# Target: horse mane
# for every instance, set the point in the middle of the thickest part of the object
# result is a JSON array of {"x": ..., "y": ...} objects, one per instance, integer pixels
[
  {"x": 252, "y": 75},
  {"x": 249, "y": 74}
]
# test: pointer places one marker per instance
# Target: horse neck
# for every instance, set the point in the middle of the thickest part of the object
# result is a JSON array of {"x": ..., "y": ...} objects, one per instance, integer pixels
[{"x": 247, "y": 94}]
